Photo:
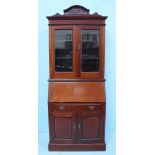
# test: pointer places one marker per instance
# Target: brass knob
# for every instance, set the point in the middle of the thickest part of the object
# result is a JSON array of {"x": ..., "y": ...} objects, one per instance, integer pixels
[
  {"x": 61, "y": 107},
  {"x": 91, "y": 107}
]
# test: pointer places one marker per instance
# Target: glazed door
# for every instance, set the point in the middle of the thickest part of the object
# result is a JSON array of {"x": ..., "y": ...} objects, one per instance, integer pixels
[
  {"x": 90, "y": 127},
  {"x": 91, "y": 52},
  {"x": 63, "y": 127},
  {"x": 76, "y": 51},
  {"x": 63, "y": 63}
]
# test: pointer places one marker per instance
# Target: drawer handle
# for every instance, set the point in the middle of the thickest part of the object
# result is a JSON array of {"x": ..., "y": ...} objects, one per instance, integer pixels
[
  {"x": 91, "y": 107},
  {"x": 61, "y": 108}
]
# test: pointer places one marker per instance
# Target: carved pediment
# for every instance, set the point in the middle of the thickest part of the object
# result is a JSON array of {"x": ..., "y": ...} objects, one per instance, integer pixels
[{"x": 76, "y": 10}]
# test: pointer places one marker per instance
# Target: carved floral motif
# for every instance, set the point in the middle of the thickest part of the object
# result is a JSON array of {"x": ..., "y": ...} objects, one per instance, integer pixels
[{"x": 76, "y": 11}]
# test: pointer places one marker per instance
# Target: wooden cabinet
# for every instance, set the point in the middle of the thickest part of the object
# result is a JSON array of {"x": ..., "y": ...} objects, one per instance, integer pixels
[
  {"x": 76, "y": 97},
  {"x": 77, "y": 122}
]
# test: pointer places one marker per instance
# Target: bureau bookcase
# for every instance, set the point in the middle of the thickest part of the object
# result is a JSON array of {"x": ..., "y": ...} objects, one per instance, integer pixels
[{"x": 76, "y": 93}]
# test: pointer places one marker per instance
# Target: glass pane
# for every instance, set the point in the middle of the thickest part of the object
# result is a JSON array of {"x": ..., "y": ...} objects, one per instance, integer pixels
[
  {"x": 90, "y": 50},
  {"x": 63, "y": 50}
]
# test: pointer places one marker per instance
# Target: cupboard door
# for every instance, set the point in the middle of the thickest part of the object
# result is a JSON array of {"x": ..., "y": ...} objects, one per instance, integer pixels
[
  {"x": 91, "y": 52},
  {"x": 91, "y": 127},
  {"x": 63, "y": 48},
  {"x": 62, "y": 52},
  {"x": 63, "y": 127}
]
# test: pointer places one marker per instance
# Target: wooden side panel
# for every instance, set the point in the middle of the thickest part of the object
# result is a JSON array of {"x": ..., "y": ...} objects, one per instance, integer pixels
[
  {"x": 102, "y": 50},
  {"x": 76, "y": 92}
]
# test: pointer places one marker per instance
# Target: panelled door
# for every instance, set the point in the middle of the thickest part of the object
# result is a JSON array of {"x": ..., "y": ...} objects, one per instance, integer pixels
[
  {"x": 84, "y": 127},
  {"x": 78, "y": 51},
  {"x": 63, "y": 126},
  {"x": 90, "y": 127},
  {"x": 63, "y": 58},
  {"x": 91, "y": 51}
]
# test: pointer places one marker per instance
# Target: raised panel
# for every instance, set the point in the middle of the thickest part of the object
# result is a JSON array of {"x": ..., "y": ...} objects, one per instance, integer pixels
[
  {"x": 63, "y": 128},
  {"x": 90, "y": 127}
]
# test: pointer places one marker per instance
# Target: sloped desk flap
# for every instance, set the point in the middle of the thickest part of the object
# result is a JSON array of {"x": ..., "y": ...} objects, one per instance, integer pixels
[{"x": 76, "y": 92}]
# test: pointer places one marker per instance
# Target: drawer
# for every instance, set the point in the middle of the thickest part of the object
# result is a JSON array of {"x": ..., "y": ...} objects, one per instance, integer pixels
[{"x": 76, "y": 107}]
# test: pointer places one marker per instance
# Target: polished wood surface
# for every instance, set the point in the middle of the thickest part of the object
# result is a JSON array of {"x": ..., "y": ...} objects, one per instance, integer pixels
[
  {"x": 76, "y": 92},
  {"x": 76, "y": 99}
]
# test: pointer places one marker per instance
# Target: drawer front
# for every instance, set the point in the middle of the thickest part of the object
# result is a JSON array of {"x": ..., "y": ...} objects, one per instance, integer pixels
[{"x": 76, "y": 107}]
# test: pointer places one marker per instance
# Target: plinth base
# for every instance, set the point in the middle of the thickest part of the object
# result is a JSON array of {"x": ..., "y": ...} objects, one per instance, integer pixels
[{"x": 77, "y": 147}]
